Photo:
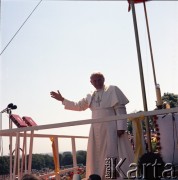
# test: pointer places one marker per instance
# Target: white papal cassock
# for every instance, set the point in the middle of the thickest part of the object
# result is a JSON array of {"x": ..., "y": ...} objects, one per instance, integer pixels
[{"x": 103, "y": 140}]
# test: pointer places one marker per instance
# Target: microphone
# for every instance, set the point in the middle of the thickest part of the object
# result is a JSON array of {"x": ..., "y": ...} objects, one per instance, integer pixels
[
  {"x": 14, "y": 107},
  {"x": 10, "y": 106}
]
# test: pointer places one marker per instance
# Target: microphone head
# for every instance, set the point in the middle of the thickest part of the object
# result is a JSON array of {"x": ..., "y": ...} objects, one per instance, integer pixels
[
  {"x": 14, "y": 107},
  {"x": 10, "y": 105}
]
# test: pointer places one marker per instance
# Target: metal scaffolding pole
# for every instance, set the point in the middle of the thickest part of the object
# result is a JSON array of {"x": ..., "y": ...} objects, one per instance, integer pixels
[
  {"x": 141, "y": 74},
  {"x": 157, "y": 87}
]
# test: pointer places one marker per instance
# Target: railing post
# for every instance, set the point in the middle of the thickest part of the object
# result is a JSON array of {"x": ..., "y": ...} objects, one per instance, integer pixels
[
  {"x": 74, "y": 154},
  {"x": 16, "y": 156},
  {"x": 24, "y": 154},
  {"x": 30, "y": 152}
]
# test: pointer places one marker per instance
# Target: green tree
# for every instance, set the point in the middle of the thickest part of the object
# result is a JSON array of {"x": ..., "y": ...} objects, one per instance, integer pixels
[
  {"x": 38, "y": 161},
  {"x": 81, "y": 157},
  {"x": 170, "y": 98},
  {"x": 60, "y": 159},
  {"x": 67, "y": 158},
  {"x": 49, "y": 162}
]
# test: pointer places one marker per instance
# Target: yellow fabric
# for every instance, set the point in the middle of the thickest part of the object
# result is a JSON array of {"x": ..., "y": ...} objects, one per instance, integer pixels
[
  {"x": 56, "y": 164},
  {"x": 138, "y": 137}
]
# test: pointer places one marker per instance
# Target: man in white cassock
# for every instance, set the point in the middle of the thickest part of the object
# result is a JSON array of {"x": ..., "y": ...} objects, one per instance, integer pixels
[{"x": 107, "y": 139}]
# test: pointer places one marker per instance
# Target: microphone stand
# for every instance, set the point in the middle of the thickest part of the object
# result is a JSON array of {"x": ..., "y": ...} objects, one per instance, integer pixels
[{"x": 9, "y": 112}]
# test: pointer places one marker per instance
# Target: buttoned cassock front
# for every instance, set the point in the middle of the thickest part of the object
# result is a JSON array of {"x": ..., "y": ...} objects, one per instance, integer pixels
[{"x": 103, "y": 141}]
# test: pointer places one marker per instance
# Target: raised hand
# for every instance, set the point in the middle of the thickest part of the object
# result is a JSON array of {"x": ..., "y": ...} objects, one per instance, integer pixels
[{"x": 56, "y": 95}]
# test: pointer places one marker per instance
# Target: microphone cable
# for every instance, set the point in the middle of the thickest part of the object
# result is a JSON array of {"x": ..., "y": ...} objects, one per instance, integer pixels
[{"x": 20, "y": 27}]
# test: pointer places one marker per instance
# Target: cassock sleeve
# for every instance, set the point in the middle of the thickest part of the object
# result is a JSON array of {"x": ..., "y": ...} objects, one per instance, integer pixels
[
  {"x": 76, "y": 106},
  {"x": 121, "y": 109}
]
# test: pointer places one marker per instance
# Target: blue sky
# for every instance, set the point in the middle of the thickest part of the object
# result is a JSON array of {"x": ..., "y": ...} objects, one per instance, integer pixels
[{"x": 63, "y": 42}]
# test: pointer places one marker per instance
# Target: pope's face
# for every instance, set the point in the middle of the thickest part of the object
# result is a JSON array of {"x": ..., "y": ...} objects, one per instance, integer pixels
[{"x": 97, "y": 81}]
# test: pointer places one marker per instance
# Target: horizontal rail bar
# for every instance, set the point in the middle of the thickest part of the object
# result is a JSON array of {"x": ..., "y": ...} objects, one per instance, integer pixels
[
  {"x": 45, "y": 135},
  {"x": 91, "y": 121}
]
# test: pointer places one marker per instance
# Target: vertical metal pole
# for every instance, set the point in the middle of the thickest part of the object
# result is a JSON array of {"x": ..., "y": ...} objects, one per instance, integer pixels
[
  {"x": 157, "y": 87},
  {"x": 149, "y": 39},
  {"x": 141, "y": 74},
  {"x": 10, "y": 148}
]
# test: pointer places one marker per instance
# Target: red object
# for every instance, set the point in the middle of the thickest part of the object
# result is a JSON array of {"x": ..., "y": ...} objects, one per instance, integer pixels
[
  {"x": 18, "y": 121},
  {"x": 139, "y": 1},
  {"x": 135, "y": 1},
  {"x": 29, "y": 121}
]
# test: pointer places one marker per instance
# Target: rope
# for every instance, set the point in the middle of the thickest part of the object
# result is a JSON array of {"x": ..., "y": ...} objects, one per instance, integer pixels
[{"x": 20, "y": 27}]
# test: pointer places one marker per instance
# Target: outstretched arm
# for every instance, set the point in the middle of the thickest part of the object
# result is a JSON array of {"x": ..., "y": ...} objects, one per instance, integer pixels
[
  {"x": 57, "y": 95},
  {"x": 70, "y": 105}
]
